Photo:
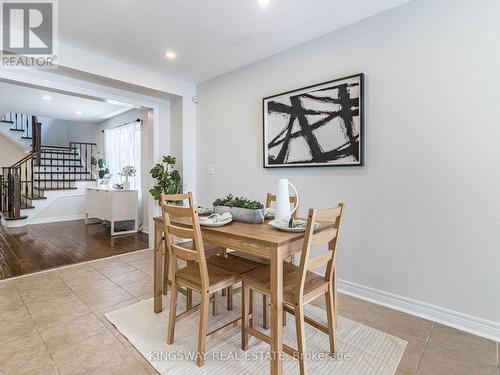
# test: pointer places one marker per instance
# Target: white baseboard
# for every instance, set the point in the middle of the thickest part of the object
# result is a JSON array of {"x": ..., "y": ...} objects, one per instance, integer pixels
[
  {"x": 464, "y": 322},
  {"x": 45, "y": 220}
]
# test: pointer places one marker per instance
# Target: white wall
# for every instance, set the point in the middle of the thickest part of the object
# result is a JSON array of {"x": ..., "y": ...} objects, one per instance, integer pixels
[
  {"x": 10, "y": 152},
  {"x": 422, "y": 216},
  {"x": 57, "y": 132}
]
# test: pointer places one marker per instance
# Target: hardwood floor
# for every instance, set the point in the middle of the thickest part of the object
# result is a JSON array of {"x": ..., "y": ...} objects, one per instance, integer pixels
[{"x": 42, "y": 246}]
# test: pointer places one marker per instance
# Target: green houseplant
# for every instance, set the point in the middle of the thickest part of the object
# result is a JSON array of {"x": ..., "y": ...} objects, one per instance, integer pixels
[
  {"x": 241, "y": 208},
  {"x": 168, "y": 180}
]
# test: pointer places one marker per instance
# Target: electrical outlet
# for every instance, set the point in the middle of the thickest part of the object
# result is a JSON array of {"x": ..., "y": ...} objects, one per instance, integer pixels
[{"x": 211, "y": 169}]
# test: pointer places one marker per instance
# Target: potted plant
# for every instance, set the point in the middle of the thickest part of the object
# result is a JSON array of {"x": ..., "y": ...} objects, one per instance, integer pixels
[
  {"x": 242, "y": 209},
  {"x": 168, "y": 180},
  {"x": 127, "y": 171},
  {"x": 103, "y": 176}
]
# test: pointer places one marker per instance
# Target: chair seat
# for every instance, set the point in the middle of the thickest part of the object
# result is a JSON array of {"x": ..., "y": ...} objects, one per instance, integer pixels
[
  {"x": 255, "y": 258},
  {"x": 251, "y": 257},
  {"x": 260, "y": 280},
  {"x": 210, "y": 250},
  {"x": 218, "y": 278},
  {"x": 232, "y": 264}
]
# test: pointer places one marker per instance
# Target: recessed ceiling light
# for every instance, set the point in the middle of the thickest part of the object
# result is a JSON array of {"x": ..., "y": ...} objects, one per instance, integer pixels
[
  {"x": 170, "y": 55},
  {"x": 46, "y": 97},
  {"x": 262, "y": 2},
  {"x": 79, "y": 112}
]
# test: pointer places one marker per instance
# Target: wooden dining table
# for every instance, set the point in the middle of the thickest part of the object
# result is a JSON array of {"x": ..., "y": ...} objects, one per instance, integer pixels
[{"x": 257, "y": 239}]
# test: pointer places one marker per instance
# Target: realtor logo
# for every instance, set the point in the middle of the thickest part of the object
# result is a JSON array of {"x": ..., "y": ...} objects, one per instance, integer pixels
[{"x": 29, "y": 31}]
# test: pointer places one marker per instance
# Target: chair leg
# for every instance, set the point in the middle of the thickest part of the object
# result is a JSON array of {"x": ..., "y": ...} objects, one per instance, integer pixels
[
  {"x": 245, "y": 310},
  {"x": 301, "y": 337},
  {"x": 172, "y": 312},
  {"x": 224, "y": 255},
  {"x": 230, "y": 298},
  {"x": 215, "y": 305},
  {"x": 335, "y": 297},
  {"x": 189, "y": 298},
  {"x": 265, "y": 312},
  {"x": 250, "y": 308},
  {"x": 332, "y": 318},
  {"x": 166, "y": 270},
  {"x": 202, "y": 333}
]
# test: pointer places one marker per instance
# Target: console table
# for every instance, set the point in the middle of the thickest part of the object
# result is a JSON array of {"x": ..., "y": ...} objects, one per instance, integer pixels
[{"x": 112, "y": 205}]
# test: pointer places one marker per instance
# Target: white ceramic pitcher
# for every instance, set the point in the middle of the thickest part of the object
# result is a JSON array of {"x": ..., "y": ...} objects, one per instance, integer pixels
[{"x": 282, "y": 209}]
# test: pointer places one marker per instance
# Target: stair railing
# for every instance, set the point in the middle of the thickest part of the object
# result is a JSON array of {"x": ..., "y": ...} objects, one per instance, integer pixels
[
  {"x": 20, "y": 122},
  {"x": 17, "y": 187},
  {"x": 10, "y": 197},
  {"x": 85, "y": 150}
]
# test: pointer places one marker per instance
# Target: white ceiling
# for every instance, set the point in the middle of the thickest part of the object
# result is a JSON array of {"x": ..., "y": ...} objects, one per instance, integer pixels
[
  {"x": 211, "y": 37},
  {"x": 28, "y": 100}
]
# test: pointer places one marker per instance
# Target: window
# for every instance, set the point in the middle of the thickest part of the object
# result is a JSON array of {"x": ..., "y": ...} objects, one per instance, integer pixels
[{"x": 123, "y": 147}]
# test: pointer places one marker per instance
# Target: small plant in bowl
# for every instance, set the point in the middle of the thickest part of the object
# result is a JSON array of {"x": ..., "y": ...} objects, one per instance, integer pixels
[
  {"x": 241, "y": 208},
  {"x": 127, "y": 171}
]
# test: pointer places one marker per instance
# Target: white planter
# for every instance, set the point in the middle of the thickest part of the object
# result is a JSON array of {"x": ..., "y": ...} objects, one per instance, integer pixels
[{"x": 244, "y": 215}]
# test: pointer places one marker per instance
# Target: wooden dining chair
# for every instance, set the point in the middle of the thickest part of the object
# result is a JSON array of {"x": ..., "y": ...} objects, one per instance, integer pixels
[
  {"x": 205, "y": 276},
  {"x": 270, "y": 198},
  {"x": 210, "y": 249},
  {"x": 301, "y": 286}
]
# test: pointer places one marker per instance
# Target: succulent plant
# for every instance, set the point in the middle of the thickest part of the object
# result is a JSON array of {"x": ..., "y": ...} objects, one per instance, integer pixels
[{"x": 241, "y": 202}]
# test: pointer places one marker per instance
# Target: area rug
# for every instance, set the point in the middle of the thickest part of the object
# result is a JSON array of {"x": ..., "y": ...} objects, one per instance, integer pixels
[{"x": 361, "y": 349}]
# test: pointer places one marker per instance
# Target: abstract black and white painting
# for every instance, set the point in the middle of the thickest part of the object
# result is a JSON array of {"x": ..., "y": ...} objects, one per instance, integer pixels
[{"x": 320, "y": 125}]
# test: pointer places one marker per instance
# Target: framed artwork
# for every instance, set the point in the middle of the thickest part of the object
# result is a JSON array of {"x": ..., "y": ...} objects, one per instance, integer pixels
[{"x": 315, "y": 126}]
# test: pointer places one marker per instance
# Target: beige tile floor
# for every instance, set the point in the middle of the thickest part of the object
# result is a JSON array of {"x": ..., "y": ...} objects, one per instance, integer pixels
[{"x": 53, "y": 323}]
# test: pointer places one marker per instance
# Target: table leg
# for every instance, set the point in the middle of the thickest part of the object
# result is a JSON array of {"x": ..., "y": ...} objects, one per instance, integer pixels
[
  {"x": 276, "y": 313},
  {"x": 158, "y": 268}
]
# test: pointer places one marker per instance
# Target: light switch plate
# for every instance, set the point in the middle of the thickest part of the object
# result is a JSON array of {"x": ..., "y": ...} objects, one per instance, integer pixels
[{"x": 211, "y": 169}]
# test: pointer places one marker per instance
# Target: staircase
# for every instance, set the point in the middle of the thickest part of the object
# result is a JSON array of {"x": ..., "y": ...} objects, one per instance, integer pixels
[{"x": 45, "y": 174}]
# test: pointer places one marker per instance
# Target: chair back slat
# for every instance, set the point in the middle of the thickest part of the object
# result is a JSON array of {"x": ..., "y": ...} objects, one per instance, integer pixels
[
  {"x": 326, "y": 236},
  {"x": 272, "y": 198},
  {"x": 178, "y": 197},
  {"x": 184, "y": 254},
  {"x": 329, "y": 214},
  {"x": 183, "y": 233},
  {"x": 177, "y": 211},
  {"x": 319, "y": 260}
]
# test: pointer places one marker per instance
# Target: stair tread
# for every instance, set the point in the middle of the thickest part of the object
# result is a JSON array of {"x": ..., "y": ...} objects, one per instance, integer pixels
[
  {"x": 17, "y": 130},
  {"x": 59, "y": 166},
  {"x": 55, "y": 180},
  {"x": 34, "y": 198},
  {"x": 60, "y": 159},
  {"x": 7, "y": 122},
  {"x": 7, "y": 217},
  {"x": 61, "y": 172},
  {"x": 58, "y": 188},
  {"x": 59, "y": 152}
]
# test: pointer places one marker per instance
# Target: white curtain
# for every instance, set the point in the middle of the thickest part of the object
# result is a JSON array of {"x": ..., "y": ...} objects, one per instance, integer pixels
[{"x": 123, "y": 147}]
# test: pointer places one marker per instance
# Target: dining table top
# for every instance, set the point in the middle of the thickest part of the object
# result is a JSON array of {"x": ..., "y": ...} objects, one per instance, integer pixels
[{"x": 263, "y": 232}]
